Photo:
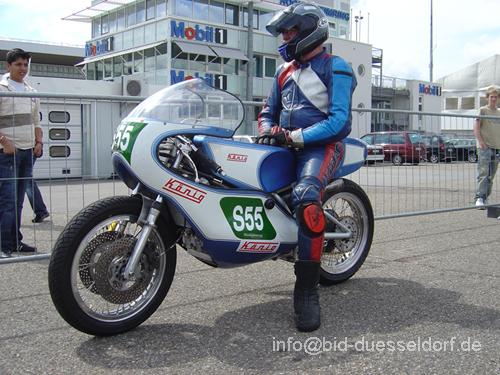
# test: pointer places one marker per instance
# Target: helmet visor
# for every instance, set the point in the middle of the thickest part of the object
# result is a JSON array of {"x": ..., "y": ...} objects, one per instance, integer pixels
[{"x": 282, "y": 21}]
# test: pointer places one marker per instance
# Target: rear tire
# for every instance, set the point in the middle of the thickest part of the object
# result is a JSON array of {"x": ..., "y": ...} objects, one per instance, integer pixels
[
  {"x": 434, "y": 158},
  {"x": 342, "y": 258},
  {"x": 472, "y": 157},
  {"x": 86, "y": 265}
]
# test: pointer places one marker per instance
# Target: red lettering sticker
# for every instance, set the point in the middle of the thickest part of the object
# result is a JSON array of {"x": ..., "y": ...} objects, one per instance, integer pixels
[
  {"x": 258, "y": 247},
  {"x": 184, "y": 190},
  {"x": 237, "y": 157}
]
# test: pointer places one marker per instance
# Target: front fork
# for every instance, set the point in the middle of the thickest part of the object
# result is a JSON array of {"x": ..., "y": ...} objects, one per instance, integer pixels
[{"x": 147, "y": 226}]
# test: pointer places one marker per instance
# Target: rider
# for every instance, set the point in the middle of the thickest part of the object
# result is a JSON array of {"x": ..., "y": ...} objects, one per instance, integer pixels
[{"x": 308, "y": 108}]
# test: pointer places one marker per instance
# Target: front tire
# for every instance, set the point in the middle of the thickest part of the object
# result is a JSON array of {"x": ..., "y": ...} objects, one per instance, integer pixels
[
  {"x": 87, "y": 263},
  {"x": 342, "y": 258},
  {"x": 397, "y": 159}
]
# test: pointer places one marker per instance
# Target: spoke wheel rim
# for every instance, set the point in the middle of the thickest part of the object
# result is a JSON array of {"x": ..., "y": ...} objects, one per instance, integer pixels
[
  {"x": 87, "y": 295},
  {"x": 348, "y": 210}
]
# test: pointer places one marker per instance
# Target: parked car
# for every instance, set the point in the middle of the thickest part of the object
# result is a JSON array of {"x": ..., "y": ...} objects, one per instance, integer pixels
[
  {"x": 374, "y": 154},
  {"x": 439, "y": 148},
  {"x": 399, "y": 146},
  {"x": 466, "y": 149}
]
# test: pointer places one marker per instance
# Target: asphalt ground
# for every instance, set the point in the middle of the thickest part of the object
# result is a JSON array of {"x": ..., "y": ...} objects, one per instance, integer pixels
[{"x": 425, "y": 302}]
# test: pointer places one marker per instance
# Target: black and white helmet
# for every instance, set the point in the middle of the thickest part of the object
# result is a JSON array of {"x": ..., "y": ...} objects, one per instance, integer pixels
[{"x": 312, "y": 29}]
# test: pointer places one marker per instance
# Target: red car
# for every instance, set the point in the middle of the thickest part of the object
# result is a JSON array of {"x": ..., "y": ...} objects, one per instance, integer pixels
[{"x": 399, "y": 146}]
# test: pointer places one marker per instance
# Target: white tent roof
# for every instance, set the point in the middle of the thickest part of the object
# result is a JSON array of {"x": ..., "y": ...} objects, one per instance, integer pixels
[{"x": 476, "y": 77}]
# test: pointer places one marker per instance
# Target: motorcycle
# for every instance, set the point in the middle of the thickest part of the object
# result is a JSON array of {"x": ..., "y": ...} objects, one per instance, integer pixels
[{"x": 194, "y": 187}]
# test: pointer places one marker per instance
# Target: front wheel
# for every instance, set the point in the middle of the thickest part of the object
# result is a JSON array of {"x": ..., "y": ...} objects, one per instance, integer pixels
[
  {"x": 397, "y": 159},
  {"x": 347, "y": 203},
  {"x": 86, "y": 280}
]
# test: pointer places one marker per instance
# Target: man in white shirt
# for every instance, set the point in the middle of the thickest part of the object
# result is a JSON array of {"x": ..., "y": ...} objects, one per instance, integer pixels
[{"x": 20, "y": 142}]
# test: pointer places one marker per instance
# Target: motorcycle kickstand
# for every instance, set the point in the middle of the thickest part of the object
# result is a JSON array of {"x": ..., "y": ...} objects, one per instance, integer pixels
[{"x": 149, "y": 224}]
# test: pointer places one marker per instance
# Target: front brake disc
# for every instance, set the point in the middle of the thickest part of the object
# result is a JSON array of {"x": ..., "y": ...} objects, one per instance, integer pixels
[{"x": 110, "y": 283}]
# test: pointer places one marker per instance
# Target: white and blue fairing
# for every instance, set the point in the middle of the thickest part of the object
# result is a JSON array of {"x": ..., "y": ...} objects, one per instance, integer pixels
[{"x": 234, "y": 225}]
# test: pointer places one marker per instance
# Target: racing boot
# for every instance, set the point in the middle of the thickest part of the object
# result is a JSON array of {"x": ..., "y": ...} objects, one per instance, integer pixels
[{"x": 306, "y": 296}]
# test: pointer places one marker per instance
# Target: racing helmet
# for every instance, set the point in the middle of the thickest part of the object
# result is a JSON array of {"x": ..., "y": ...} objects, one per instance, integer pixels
[{"x": 312, "y": 29}]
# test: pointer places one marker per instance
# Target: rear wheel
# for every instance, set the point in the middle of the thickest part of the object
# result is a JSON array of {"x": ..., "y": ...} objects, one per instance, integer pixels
[
  {"x": 86, "y": 268},
  {"x": 434, "y": 158},
  {"x": 472, "y": 157},
  {"x": 349, "y": 205}
]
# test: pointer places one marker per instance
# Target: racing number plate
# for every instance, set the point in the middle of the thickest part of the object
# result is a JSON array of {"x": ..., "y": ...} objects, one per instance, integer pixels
[
  {"x": 125, "y": 136},
  {"x": 247, "y": 218}
]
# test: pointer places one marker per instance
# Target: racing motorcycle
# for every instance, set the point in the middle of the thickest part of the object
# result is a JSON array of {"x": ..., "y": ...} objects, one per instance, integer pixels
[{"x": 194, "y": 187}]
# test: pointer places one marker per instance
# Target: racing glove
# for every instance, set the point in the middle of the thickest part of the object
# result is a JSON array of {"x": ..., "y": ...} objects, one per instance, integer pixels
[{"x": 277, "y": 136}]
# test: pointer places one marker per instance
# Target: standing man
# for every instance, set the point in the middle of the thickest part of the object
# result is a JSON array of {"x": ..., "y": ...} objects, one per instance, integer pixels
[
  {"x": 20, "y": 142},
  {"x": 487, "y": 132},
  {"x": 308, "y": 108}
]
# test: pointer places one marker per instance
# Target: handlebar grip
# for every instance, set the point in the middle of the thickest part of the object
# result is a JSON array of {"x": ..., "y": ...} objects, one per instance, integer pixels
[{"x": 206, "y": 160}]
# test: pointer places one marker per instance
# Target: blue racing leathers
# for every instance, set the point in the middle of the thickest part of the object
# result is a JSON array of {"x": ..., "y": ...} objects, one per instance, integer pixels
[{"x": 315, "y": 97}]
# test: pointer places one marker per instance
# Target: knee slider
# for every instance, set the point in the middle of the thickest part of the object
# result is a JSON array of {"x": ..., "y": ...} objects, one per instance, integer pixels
[{"x": 311, "y": 218}]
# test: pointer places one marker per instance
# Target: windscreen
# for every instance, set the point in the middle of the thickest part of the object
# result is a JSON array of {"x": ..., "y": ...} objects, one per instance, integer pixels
[{"x": 192, "y": 102}]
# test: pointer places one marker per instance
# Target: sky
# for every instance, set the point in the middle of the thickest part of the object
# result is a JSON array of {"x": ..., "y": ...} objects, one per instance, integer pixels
[{"x": 465, "y": 32}]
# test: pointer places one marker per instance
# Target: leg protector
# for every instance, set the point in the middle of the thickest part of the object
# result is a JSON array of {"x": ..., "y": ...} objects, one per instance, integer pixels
[{"x": 311, "y": 219}]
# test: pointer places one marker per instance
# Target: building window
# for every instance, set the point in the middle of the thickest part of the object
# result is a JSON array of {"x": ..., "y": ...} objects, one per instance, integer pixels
[
  {"x": 200, "y": 10},
  {"x": 197, "y": 62},
  {"x": 91, "y": 71},
  {"x": 387, "y": 116},
  {"x": 451, "y": 103},
  {"x": 96, "y": 27},
  {"x": 59, "y": 117},
  {"x": 59, "y": 151},
  {"x": 117, "y": 66},
  {"x": 257, "y": 66},
  {"x": 112, "y": 22},
  {"x": 138, "y": 62},
  {"x": 264, "y": 18},
  {"x": 232, "y": 15},
  {"x": 270, "y": 67},
  {"x": 361, "y": 70},
  {"x": 183, "y": 8},
  {"x": 214, "y": 64},
  {"x": 149, "y": 60},
  {"x": 468, "y": 103},
  {"x": 255, "y": 18},
  {"x": 342, "y": 32},
  {"x": 332, "y": 28},
  {"x": 230, "y": 66},
  {"x": 108, "y": 68},
  {"x": 99, "y": 70},
  {"x": 120, "y": 19},
  {"x": 161, "y": 56},
  {"x": 105, "y": 24},
  {"x": 127, "y": 64},
  {"x": 59, "y": 134},
  {"x": 161, "y": 8},
  {"x": 216, "y": 12},
  {"x": 179, "y": 58},
  {"x": 141, "y": 12},
  {"x": 131, "y": 15},
  {"x": 150, "y": 9}
]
